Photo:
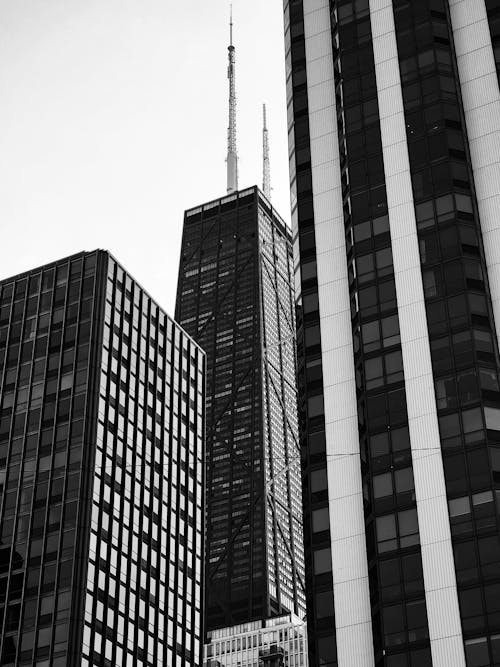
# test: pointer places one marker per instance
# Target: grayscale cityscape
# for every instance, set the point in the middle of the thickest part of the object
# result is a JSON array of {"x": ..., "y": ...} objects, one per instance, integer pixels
[{"x": 297, "y": 465}]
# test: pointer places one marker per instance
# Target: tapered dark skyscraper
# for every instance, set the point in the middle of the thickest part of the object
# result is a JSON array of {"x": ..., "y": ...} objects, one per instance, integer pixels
[
  {"x": 101, "y": 471},
  {"x": 394, "y": 119},
  {"x": 235, "y": 297}
]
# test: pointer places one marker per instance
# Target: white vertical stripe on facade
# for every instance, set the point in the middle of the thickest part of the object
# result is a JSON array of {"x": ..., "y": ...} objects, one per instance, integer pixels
[
  {"x": 432, "y": 508},
  {"x": 349, "y": 559},
  {"x": 481, "y": 100}
]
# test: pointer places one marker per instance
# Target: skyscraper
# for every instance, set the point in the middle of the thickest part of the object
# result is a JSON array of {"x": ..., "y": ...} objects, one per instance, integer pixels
[
  {"x": 394, "y": 120},
  {"x": 101, "y": 471},
  {"x": 235, "y": 297}
]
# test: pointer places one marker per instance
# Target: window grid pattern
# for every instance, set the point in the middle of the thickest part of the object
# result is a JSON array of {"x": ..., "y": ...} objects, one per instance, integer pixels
[
  {"x": 216, "y": 304},
  {"x": 47, "y": 320},
  {"x": 400, "y": 629},
  {"x": 285, "y": 550},
  {"x": 460, "y": 321},
  {"x": 319, "y": 583},
  {"x": 143, "y": 587},
  {"x": 279, "y": 641},
  {"x": 220, "y": 302}
]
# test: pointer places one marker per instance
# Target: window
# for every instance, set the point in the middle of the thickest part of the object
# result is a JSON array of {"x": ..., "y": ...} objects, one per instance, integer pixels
[
  {"x": 417, "y": 620},
  {"x": 365, "y": 268},
  {"x": 394, "y": 631},
  {"x": 489, "y": 556},
  {"x": 374, "y": 339},
  {"x": 484, "y": 508},
  {"x": 310, "y": 302},
  {"x": 400, "y": 438},
  {"x": 371, "y": 336},
  {"x": 322, "y": 561},
  {"x": 492, "y": 596},
  {"x": 382, "y": 485},
  {"x": 368, "y": 300},
  {"x": 476, "y": 652},
  {"x": 320, "y": 520},
  {"x": 384, "y": 262},
  {"x": 492, "y": 417},
  {"x": 324, "y": 604},
  {"x": 430, "y": 283},
  {"x": 413, "y": 576},
  {"x": 460, "y": 515},
  {"x": 408, "y": 528},
  {"x": 387, "y": 295},
  {"x": 483, "y": 341},
  {"x": 404, "y": 480},
  {"x": 388, "y": 531},
  {"x": 446, "y": 393},
  {"x": 316, "y": 442},
  {"x": 312, "y": 335},
  {"x": 465, "y": 562},
  {"x": 479, "y": 468},
  {"x": 390, "y": 579},
  {"x": 488, "y": 379},
  {"x": 326, "y": 651},
  {"x": 387, "y": 369},
  {"x": 421, "y": 658},
  {"x": 308, "y": 270},
  {"x": 372, "y": 265},
  {"x": 319, "y": 480},
  {"x": 374, "y": 373},
  {"x": 362, "y": 231},
  {"x": 390, "y": 331},
  {"x": 473, "y": 425},
  {"x": 495, "y": 639},
  {"x": 314, "y": 370},
  {"x": 315, "y": 406}
]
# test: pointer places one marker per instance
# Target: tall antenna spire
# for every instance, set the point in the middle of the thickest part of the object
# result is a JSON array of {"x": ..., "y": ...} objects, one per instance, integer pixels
[
  {"x": 232, "y": 156},
  {"x": 266, "y": 172}
]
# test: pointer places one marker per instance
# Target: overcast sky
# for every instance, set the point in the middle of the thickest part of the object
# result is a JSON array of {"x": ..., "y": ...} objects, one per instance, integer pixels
[{"x": 113, "y": 121}]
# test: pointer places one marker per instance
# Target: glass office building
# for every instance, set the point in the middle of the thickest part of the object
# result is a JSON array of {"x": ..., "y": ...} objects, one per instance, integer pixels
[
  {"x": 275, "y": 642},
  {"x": 235, "y": 297},
  {"x": 101, "y": 472},
  {"x": 394, "y": 128}
]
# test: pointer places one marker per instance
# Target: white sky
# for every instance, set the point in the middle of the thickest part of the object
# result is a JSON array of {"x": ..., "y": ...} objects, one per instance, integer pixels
[{"x": 113, "y": 121}]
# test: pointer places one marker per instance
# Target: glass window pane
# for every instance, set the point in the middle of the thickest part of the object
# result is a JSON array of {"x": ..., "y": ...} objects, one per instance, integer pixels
[
  {"x": 386, "y": 527},
  {"x": 322, "y": 561},
  {"x": 492, "y": 417},
  {"x": 459, "y": 506},
  {"x": 320, "y": 520},
  {"x": 408, "y": 523},
  {"x": 476, "y": 651},
  {"x": 404, "y": 480},
  {"x": 324, "y": 604},
  {"x": 382, "y": 485},
  {"x": 319, "y": 480}
]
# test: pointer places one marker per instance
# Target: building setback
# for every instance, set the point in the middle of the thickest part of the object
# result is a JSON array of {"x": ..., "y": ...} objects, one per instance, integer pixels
[
  {"x": 394, "y": 127},
  {"x": 101, "y": 471},
  {"x": 235, "y": 297}
]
